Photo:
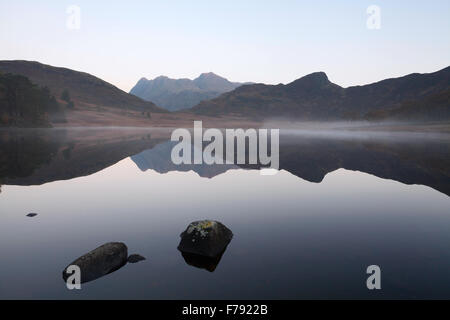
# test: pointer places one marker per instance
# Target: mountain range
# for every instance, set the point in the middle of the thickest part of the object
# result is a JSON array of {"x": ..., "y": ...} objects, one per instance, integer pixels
[
  {"x": 178, "y": 94},
  {"x": 315, "y": 97},
  {"x": 86, "y": 100}
]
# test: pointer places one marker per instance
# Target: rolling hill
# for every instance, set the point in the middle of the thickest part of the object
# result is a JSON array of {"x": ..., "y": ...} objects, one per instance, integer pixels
[
  {"x": 314, "y": 97},
  {"x": 85, "y": 90}
]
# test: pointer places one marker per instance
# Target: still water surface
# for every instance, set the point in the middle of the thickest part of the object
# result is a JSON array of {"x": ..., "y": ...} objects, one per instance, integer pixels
[{"x": 338, "y": 205}]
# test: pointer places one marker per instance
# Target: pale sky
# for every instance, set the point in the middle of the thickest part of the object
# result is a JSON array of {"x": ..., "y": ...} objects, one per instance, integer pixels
[{"x": 261, "y": 41}]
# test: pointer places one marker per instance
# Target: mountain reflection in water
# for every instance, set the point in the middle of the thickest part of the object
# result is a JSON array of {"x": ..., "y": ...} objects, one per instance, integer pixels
[
  {"x": 35, "y": 157},
  {"x": 340, "y": 203}
]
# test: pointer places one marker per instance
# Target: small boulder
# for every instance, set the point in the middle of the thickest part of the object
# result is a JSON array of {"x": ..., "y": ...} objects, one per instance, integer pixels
[
  {"x": 205, "y": 238},
  {"x": 99, "y": 262},
  {"x": 133, "y": 258}
]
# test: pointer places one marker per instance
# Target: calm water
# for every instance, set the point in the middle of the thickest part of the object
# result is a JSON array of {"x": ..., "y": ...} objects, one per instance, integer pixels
[{"x": 341, "y": 202}]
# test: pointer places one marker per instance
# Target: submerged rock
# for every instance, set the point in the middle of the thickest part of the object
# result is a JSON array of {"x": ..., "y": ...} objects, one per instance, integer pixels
[
  {"x": 133, "y": 258},
  {"x": 206, "y": 238},
  {"x": 32, "y": 214},
  {"x": 99, "y": 262}
]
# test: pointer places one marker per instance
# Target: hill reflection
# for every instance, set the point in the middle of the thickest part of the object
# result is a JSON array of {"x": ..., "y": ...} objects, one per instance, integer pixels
[{"x": 34, "y": 157}]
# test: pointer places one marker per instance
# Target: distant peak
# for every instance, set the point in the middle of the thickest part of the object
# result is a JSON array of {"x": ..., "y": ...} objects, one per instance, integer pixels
[
  {"x": 315, "y": 78},
  {"x": 161, "y": 77},
  {"x": 206, "y": 74},
  {"x": 209, "y": 75}
]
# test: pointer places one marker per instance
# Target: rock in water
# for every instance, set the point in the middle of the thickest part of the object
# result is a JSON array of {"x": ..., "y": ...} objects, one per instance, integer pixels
[
  {"x": 32, "y": 214},
  {"x": 133, "y": 258},
  {"x": 206, "y": 238},
  {"x": 101, "y": 261}
]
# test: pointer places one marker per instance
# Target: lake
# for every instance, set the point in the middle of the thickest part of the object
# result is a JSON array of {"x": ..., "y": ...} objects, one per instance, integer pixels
[{"x": 342, "y": 201}]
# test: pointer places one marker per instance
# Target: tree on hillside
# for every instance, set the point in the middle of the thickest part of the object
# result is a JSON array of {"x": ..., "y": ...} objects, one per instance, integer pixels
[
  {"x": 23, "y": 103},
  {"x": 65, "y": 96}
]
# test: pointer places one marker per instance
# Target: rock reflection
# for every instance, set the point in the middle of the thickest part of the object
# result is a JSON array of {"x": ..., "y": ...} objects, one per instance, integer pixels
[{"x": 202, "y": 262}]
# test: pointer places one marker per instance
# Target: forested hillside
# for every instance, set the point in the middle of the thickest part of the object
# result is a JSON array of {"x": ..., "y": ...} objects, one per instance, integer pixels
[{"x": 24, "y": 104}]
